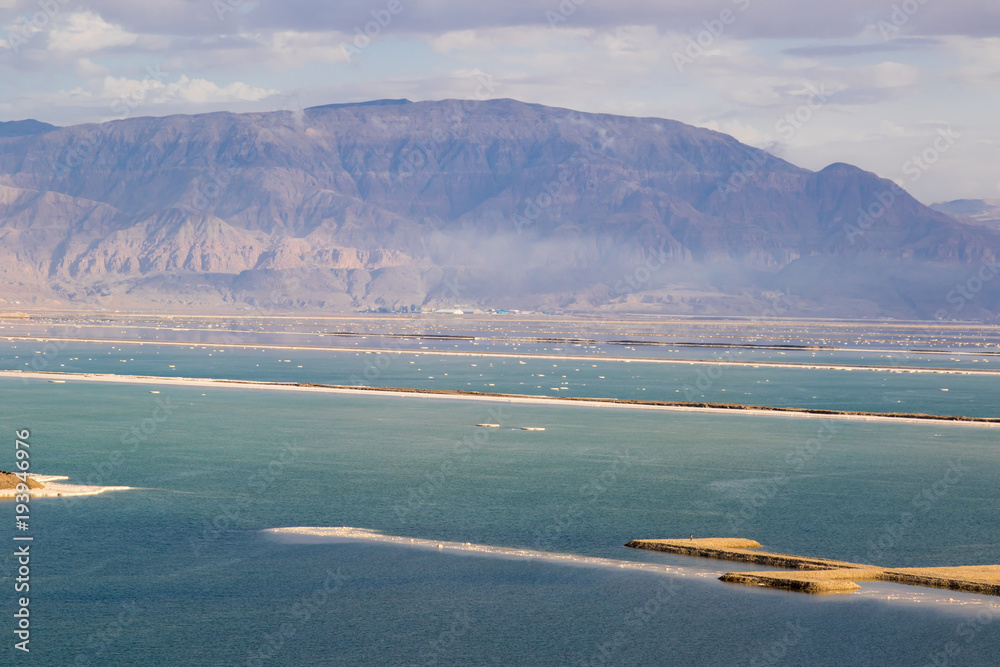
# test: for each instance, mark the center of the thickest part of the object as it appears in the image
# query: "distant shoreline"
(568, 357)
(676, 406)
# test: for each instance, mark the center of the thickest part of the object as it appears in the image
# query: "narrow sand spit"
(677, 406)
(821, 575)
(41, 486)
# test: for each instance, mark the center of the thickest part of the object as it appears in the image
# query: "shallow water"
(888, 390)
(177, 572)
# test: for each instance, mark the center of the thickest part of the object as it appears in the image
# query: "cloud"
(612, 57)
(980, 60)
(120, 97)
(200, 91)
(846, 50)
(290, 49)
(745, 133)
(86, 32)
(87, 69)
(767, 19)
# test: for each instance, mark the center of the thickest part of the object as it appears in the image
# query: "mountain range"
(496, 204)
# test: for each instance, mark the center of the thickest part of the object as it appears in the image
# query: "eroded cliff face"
(494, 203)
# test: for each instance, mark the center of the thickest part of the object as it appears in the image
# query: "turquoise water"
(175, 572)
(861, 390)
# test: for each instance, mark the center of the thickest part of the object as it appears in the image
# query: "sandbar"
(822, 575)
(452, 394)
(42, 486)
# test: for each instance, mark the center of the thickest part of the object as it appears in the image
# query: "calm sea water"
(176, 572)
(892, 390)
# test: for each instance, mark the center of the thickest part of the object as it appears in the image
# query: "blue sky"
(908, 89)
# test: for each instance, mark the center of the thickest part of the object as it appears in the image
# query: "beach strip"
(449, 394)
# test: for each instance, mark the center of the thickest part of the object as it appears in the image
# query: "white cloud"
(200, 91)
(290, 49)
(87, 69)
(980, 59)
(892, 75)
(889, 129)
(86, 32)
(506, 39)
(745, 133)
(120, 97)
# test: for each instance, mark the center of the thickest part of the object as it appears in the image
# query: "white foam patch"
(920, 596)
(53, 489)
(318, 535)
(886, 592)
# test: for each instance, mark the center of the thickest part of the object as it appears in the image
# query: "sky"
(908, 89)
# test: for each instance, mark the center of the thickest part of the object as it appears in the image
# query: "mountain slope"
(984, 212)
(21, 128)
(494, 203)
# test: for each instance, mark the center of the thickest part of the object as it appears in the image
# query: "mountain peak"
(842, 167)
(24, 128)
(370, 103)
(501, 203)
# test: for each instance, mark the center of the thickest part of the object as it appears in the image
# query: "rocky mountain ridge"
(497, 203)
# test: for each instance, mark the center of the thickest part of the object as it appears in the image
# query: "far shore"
(563, 357)
(450, 394)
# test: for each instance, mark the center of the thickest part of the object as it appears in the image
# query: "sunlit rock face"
(494, 203)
